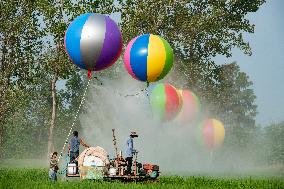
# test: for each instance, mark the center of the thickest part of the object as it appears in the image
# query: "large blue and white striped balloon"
(93, 41)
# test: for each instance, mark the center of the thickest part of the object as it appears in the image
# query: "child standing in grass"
(53, 165)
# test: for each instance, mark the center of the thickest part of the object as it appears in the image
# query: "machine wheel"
(154, 174)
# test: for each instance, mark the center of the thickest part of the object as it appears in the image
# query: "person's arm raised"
(84, 144)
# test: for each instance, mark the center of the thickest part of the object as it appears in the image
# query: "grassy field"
(37, 178)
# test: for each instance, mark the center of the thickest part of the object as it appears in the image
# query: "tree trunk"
(39, 140)
(53, 91)
(1, 140)
(4, 84)
(53, 116)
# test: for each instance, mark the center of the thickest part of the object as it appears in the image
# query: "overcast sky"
(266, 65)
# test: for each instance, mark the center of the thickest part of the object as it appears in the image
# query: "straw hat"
(133, 134)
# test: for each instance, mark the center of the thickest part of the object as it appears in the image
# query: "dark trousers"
(73, 156)
(129, 165)
(52, 175)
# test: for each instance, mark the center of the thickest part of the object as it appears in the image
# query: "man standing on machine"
(130, 151)
(73, 147)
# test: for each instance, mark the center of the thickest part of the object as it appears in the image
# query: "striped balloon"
(165, 102)
(93, 41)
(148, 58)
(211, 133)
(190, 107)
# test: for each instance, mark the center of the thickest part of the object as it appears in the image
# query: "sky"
(266, 65)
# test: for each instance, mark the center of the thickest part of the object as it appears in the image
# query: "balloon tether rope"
(127, 95)
(75, 118)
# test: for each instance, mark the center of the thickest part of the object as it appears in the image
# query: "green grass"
(38, 178)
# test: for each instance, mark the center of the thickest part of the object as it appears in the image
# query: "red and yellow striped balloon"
(148, 58)
(211, 133)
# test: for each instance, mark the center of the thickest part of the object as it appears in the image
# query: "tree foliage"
(19, 47)
(196, 29)
(273, 143)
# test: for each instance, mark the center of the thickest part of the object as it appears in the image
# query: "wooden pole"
(114, 143)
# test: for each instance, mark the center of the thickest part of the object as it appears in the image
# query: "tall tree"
(225, 91)
(56, 15)
(235, 99)
(20, 45)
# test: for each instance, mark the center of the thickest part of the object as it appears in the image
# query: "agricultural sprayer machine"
(94, 163)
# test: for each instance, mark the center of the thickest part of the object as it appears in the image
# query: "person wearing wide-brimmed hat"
(130, 151)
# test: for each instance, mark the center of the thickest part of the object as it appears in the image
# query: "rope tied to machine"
(75, 118)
